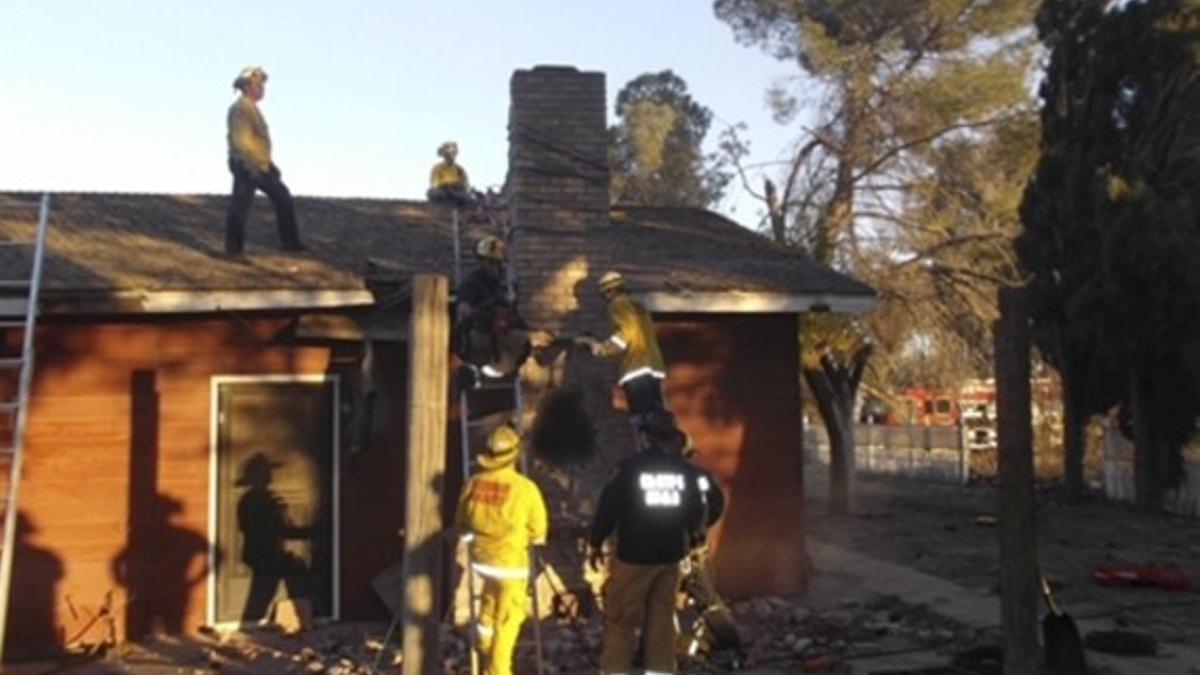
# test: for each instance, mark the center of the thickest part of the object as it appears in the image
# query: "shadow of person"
(160, 581)
(263, 521)
(36, 573)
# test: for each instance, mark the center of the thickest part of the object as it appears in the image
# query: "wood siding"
(114, 500)
(115, 509)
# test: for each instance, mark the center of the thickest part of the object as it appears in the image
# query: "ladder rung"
(12, 324)
(494, 386)
(11, 307)
(10, 242)
(11, 362)
(14, 283)
(9, 406)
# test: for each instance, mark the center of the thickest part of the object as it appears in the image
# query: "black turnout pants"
(244, 185)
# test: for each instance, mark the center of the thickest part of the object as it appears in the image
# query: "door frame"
(215, 383)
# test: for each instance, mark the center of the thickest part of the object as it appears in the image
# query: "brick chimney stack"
(558, 190)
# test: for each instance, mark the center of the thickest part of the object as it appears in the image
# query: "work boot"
(466, 377)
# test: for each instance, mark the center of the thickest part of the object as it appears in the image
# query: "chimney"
(558, 192)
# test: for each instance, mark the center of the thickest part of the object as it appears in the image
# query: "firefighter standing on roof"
(504, 513)
(633, 339)
(252, 168)
(654, 505)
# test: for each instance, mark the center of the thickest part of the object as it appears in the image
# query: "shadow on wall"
(32, 628)
(733, 383)
(263, 521)
(159, 581)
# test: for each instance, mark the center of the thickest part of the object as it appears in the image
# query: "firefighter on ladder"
(633, 339)
(654, 504)
(489, 336)
(504, 514)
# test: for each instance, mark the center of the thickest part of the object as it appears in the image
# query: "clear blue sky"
(131, 95)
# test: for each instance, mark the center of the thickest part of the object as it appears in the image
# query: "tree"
(1060, 242)
(907, 94)
(1113, 221)
(656, 149)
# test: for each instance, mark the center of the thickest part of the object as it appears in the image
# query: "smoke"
(563, 433)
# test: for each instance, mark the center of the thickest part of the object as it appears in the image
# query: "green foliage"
(656, 149)
(909, 169)
(1112, 217)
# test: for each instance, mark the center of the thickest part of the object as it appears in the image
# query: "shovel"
(1060, 638)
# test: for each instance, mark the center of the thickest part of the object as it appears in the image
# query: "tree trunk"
(1147, 476)
(835, 427)
(1075, 421)
(1018, 541)
(834, 387)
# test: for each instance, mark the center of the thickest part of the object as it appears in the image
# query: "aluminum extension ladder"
(18, 311)
(466, 425)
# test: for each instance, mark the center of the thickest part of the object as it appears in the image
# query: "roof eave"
(743, 302)
(200, 302)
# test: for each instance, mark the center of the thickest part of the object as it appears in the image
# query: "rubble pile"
(790, 633)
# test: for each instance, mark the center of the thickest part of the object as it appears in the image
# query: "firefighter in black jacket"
(655, 506)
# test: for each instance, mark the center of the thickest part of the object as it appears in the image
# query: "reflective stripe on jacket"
(506, 513)
(633, 338)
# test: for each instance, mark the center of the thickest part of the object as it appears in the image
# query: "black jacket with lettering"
(655, 507)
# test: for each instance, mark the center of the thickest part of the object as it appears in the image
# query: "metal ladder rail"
(20, 408)
(517, 419)
(507, 232)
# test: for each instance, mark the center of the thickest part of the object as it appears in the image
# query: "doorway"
(274, 496)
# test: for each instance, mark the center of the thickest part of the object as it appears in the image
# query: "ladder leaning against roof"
(505, 231)
(18, 311)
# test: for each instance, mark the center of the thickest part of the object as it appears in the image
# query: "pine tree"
(656, 149)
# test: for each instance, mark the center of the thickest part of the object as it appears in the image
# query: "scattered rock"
(315, 667)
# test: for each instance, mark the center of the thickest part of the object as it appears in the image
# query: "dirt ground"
(932, 528)
(927, 527)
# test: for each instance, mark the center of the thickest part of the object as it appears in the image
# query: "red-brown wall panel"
(118, 442)
(733, 381)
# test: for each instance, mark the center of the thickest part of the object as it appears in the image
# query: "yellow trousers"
(639, 598)
(501, 613)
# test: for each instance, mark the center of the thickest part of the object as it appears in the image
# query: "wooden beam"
(426, 463)
(1019, 573)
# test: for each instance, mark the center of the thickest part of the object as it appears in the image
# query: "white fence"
(928, 453)
(1119, 482)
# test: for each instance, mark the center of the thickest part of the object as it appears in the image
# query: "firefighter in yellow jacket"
(448, 180)
(633, 339)
(252, 168)
(504, 513)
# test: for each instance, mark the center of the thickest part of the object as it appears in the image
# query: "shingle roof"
(102, 242)
(686, 249)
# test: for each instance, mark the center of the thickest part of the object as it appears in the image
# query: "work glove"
(596, 558)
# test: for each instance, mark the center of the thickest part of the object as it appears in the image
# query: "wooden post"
(428, 347)
(1019, 573)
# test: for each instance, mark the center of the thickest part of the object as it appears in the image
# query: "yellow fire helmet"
(611, 281)
(503, 445)
(490, 248)
(249, 73)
